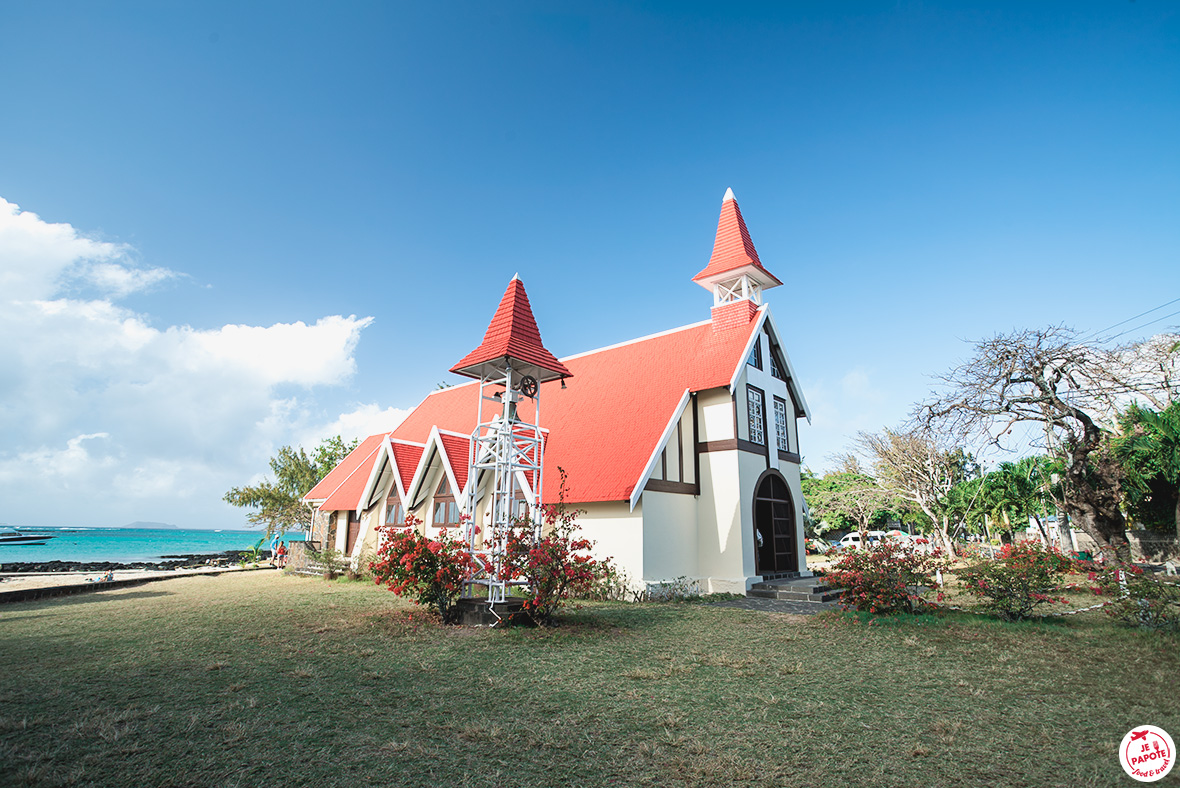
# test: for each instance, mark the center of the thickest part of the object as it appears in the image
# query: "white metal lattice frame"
(511, 449)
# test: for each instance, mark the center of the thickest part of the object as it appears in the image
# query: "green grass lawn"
(261, 679)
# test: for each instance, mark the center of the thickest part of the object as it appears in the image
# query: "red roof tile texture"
(458, 453)
(513, 332)
(732, 248)
(604, 427)
(407, 458)
(359, 464)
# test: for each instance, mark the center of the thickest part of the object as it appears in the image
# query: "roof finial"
(728, 196)
(515, 277)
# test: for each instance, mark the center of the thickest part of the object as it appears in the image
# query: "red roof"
(348, 477)
(457, 449)
(605, 425)
(406, 455)
(512, 333)
(732, 249)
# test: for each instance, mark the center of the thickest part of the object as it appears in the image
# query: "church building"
(681, 447)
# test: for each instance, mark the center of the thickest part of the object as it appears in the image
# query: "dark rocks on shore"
(227, 558)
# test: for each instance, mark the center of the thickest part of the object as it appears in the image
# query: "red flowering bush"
(429, 571)
(555, 567)
(885, 579)
(1022, 576)
(1141, 599)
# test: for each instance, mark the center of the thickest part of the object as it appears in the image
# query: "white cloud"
(38, 259)
(360, 423)
(100, 410)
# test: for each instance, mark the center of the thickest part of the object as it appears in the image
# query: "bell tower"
(510, 364)
(734, 273)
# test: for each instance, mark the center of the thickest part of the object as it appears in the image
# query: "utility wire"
(1145, 325)
(1095, 334)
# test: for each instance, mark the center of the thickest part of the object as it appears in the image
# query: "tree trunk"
(1177, 516)
(944, 532)
(1041, 530)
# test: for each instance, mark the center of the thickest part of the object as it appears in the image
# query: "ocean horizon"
(128, 545)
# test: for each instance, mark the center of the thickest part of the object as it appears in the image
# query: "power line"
(1145, 325)
(1099, 333)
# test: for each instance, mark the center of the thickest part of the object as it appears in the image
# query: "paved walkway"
(778, 606)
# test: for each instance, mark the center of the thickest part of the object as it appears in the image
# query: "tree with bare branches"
(916, 466)
(1073, 390)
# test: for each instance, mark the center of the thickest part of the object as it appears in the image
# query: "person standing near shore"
(281, 555)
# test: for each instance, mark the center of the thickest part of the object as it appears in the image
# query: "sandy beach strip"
(19, 581)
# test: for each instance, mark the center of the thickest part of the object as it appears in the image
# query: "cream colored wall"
(716, 409)
(617, 534)
(669, 536)
(719, 524)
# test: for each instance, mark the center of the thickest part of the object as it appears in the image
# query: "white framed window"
(780, 425)
(755, 359)
(754, 411)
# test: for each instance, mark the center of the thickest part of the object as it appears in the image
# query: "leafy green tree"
(278, 505)
(1149, 450)
(847, 498)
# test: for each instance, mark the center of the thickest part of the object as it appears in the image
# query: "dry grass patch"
(210, 680)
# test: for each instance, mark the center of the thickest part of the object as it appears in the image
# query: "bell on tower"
(734, 273)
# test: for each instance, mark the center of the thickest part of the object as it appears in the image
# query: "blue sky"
(241, 225)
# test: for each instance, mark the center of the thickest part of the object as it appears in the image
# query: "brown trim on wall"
(680, 448)
(696, 445)
(790, 456)
(739, 444)
(750, 446)
(656, 485)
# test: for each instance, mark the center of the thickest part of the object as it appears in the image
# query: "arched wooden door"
(774, 526)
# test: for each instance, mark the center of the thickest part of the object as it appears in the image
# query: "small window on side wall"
(780, 425)
(755, 412)
(755, 359)
(446, 510)
(394, 513)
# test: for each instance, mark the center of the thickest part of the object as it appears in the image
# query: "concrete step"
(825, 594)
(802, 589)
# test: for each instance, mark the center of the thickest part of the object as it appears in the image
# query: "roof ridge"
(656, 335)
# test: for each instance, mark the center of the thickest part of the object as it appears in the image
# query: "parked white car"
(852, 540)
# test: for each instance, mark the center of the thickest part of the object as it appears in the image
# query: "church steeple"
(734, 272)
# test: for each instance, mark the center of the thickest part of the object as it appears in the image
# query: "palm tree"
(1149, 450)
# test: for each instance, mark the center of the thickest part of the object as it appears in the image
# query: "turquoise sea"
(126, 545)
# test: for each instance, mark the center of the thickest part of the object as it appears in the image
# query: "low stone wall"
(300, 555)
(1153, 547)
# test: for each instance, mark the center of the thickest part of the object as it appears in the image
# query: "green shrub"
(1022, 577)
(1142, 599)
(886, 579)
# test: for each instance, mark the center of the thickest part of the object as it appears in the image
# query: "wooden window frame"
(761, 414)
(783, 440)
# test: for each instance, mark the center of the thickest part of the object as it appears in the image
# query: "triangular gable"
(763, 318)
(648, 469)
(395, 454)
(446, 443)
(345, 470)
(347, 496)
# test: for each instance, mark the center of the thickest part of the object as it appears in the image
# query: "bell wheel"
(529, 386)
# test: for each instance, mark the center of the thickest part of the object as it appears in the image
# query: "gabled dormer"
(734, 273)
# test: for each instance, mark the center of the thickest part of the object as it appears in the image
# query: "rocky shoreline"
(167, 562)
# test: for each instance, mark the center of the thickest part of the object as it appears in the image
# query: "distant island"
(143, 524)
